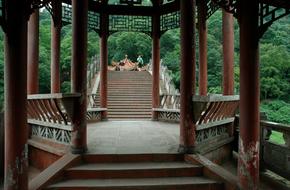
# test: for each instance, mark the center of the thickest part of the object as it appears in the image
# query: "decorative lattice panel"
(169, 21)
(66, 14)
(268, 14)
(211, 8)
(52, 134)
(131, 2)
(48, 7)
(210, 133)
(93, 18)
(1, 8)
(119, 23)
(167, 1)
(94, 21)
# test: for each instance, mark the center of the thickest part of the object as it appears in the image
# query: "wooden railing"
(165, 76)
(213, 116)
(274, 156)
(170, 101)
(92, 69)
(50, 116)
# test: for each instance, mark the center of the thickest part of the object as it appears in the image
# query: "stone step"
(132, 158)
(119, 113)
(133, 170)
(167, 183)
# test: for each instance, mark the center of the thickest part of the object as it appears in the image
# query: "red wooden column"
(55, 47)
(79, 74)
(248, 164)
(155, 62)
(33, 53)
(202, 31)
(187, 130)
(104, 63)
(228, 53)
(15, 78)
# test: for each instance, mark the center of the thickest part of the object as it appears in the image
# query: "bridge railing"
(274, 151)
(92, 69)
(275, 156)
(165, 76)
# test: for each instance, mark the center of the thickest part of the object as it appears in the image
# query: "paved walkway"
(129, 137)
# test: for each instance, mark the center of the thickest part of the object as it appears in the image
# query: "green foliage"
(131, 44)
(277, 111)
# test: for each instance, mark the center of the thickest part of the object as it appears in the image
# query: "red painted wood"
(187, 129)
(202, 33)
(248, 164)
(79, 74)
(228, 53)
(33, 53)
(104, 64)
(15, 77)
(155, 63)
(55, 47)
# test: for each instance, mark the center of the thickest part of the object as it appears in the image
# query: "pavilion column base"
(74, 150)
(154, 116)
(183, 149)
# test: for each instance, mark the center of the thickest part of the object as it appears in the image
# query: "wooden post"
(33, 53)
(248, 164)
(104, 63)
(228, 53)
(55, 47)
(187, 129)
(155, 63)
(79, 74)
(202, 31)
(15, 95)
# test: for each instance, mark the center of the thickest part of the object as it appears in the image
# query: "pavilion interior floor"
(143, 136)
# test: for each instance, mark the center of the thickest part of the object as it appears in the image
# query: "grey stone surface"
(130, 137)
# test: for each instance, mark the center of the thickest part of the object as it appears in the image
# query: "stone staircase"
(129, 95)
(139, 171)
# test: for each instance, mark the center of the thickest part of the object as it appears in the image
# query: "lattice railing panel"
(119, 23)
(51, 133)
(210, 133)
(169, 21)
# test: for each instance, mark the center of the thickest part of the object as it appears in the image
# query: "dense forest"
(274, 59)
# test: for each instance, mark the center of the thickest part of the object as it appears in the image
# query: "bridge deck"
(126, 137)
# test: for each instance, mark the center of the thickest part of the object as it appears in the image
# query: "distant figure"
(140, 61)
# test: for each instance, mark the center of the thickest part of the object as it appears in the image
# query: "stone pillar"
(202, 31)
(55, 47)
(33, 53)
(104, 63)
(248, 164)
(79, 74)
(15, 96)
(187, 129)
(228, 53)
(155, 63)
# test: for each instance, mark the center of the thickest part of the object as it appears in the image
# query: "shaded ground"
(125, 137)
